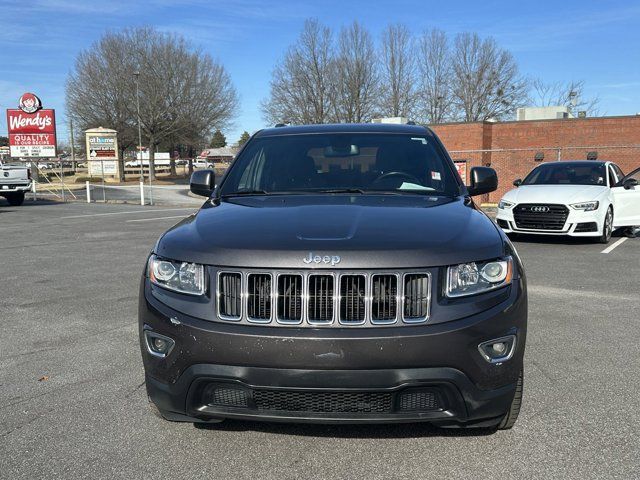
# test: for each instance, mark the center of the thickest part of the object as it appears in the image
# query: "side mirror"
(517, 183)
(483, 180)
(202, 182)
(630, 183)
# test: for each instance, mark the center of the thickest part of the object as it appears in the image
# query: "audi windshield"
(342, 163)
(567, 173)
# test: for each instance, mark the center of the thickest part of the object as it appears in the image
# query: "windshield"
(357, 163)
(567, 174)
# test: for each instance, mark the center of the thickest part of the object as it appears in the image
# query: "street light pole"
(136, 75)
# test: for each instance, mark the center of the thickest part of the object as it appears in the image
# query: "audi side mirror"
(517, 182)
(202, 182)
(483, 180)
(630, 183)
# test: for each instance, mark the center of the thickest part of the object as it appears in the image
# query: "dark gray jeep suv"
(337, 273)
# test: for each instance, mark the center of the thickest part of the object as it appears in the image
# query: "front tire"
(16, 199)
(514, 410)
(607, 227)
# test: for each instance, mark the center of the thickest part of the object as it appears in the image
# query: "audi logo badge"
(540, 209)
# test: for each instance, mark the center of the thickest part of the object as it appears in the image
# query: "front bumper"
(441, 360)
(577, 224)
(14, 187)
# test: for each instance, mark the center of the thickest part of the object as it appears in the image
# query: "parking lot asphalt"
(73, 402)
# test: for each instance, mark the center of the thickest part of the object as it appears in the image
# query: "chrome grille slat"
(229, 295)
(289, 297)
(384, 302)
(259, 297)
(352, 299)
(320, 298)
(417, 296)
(323, 298)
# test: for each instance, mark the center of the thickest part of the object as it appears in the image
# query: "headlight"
(586, 206)
(478, 277)
(180, 277)
(504, 205)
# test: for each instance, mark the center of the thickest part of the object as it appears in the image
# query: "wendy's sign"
(32, 129)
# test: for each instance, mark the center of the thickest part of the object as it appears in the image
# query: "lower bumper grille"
(586, 227)
(529, 216)
(223, 395)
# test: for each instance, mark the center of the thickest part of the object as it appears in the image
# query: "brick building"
(515, 148)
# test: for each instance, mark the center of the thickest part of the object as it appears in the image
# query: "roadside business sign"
(32, 129)
(102, 151)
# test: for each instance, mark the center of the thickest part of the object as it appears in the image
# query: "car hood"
(366, 231)
(564, 194)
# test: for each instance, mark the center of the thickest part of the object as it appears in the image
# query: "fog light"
(158, 345)
(498, 350)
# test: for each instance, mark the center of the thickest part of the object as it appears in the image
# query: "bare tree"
(356, 79)
(184, 93)
(301, 84)
(568, 94)
(397, 93)
(434, 87)
(486, 81)
(98, 91)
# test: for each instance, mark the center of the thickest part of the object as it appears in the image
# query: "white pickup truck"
(15, 181)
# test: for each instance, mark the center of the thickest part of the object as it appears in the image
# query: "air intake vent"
(290, 298)
(321, 298)
(229, 295)
(352, 298)
(259, 297)
(416, 297)
(384, 306)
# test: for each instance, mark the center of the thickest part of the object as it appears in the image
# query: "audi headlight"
(478, 277)
(504, 205)
(180, 277)
(586, 206)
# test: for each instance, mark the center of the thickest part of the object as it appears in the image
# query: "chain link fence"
(511, 164)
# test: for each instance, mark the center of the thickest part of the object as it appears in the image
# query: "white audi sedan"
(577, 198)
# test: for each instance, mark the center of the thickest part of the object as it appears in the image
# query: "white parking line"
(611, 247)
(155, 218)
(129, 212)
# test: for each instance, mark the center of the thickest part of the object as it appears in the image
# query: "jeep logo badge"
(318, 259)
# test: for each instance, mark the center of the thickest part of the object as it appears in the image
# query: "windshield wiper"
(338, 190)
(244, 193)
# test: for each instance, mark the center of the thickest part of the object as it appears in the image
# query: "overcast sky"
(595, 41)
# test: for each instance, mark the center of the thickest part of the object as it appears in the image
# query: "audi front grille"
(535, 216)
(323, 298)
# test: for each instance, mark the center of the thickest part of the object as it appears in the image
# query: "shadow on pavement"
(562, 239)
(402, 430)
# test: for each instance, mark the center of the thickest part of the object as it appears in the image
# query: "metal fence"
(511, 164)
(97, 181)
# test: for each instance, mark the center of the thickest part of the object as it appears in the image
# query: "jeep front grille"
(324, 298)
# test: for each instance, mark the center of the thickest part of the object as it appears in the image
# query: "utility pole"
(136, 75)
(73, 145)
